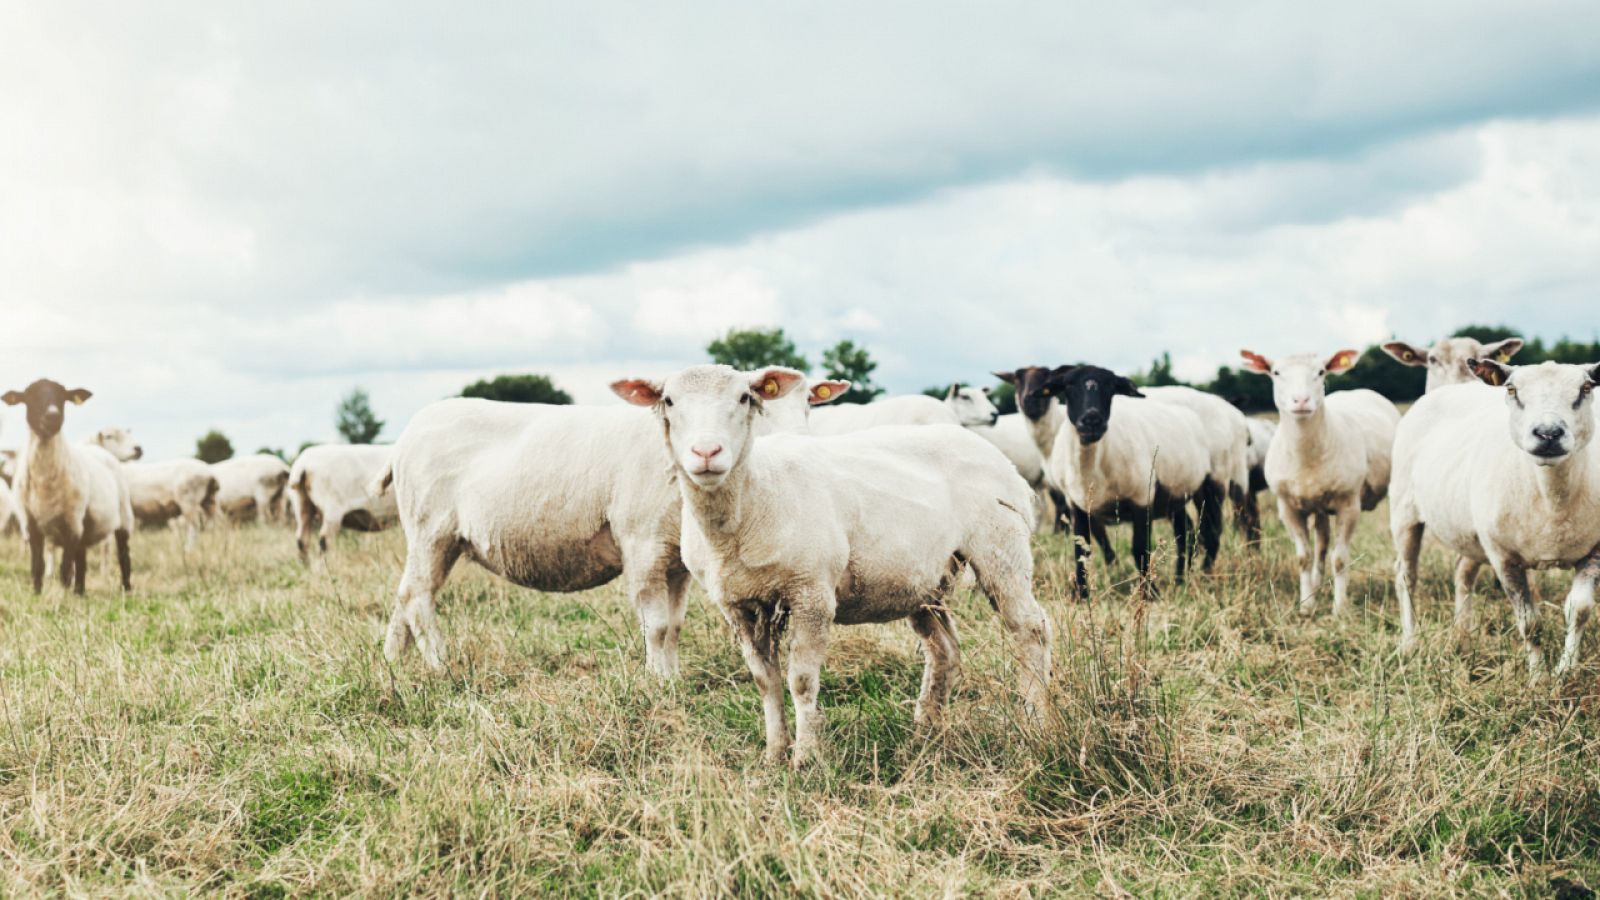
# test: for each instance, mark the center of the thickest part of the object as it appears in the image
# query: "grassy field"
(231, 726)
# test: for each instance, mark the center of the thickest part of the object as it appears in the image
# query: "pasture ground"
(231, 726)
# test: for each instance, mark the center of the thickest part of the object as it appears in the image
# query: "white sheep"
(72, 495)
(251, 487)
(810, 532)
(555, 498)
(10, 512)
(1505, 472)
(1328, 461)
(1133, 460)
(910, 409)
(1227, 444)
(978, 414)
(1446, 361)
(334, 482)
(971, 406)
(178, 493)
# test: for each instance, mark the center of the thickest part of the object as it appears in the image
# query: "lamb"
(1328, 462)
(1149, 463)
(1528, 499)
(251, 487)
(72, 495)
(810, 532)
(334, 482)
(1447, 361)
(554, 498)
(1248, 511)
(912, 409)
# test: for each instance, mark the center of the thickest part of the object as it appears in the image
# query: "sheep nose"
(1550, 433)
(706, 451)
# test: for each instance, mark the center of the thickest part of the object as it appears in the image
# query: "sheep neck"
(717, 511)
(1046, 427)
(47, 457)
(1570, 480)
(1308, 437)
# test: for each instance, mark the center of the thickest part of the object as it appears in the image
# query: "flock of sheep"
(795, 516)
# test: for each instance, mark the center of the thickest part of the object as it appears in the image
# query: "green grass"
(231, 726)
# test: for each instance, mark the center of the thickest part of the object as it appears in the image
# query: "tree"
(214, 447)
(355, 419)
(1004, 398)
(518, 389)
(274, 451)
(846, 361)
(1158, 375)
(756, 348)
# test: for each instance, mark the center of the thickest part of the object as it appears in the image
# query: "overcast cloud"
(226, 214)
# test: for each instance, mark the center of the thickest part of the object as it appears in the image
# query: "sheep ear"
(1008, 377)
(1255, 362)
(78, 396)
(12, 398)
(1489, 372)
(987, 391)
(1405, 353)
(774, 382)
(1343, 361)
(638, 391)
(827, 392)
(1127, 388)
(1502, 351)
(951, 391)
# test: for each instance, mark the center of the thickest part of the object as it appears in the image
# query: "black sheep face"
(1087, 392)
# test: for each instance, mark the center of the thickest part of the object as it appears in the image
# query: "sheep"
(178, 493)
(10, 512)
(555, 498)
(72, 495)
(1447, 359)
(1248, 511)
(1446, 362)
(911, 409)
(810, 532)
(8, 465)
(1504, 472)
(1328, 462)
(333, 482)
(971, 406)
(250, 487)
(1227, 443)
(1147, 462)
(1044, 417)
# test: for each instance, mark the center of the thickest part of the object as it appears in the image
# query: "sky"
(227, 214)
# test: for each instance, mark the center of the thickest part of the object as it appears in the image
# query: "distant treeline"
(1375, 370)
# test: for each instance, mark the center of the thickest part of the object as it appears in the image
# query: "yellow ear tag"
(1503, 356)
(770, 388)
(824, 392)
(1410, 356)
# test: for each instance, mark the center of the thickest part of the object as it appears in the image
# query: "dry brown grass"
(231, 726)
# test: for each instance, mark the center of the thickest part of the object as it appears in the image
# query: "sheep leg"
(1320, 523)
(124, 559)
(1103, 540)
(1345, 521)
(64, 571)
(1466, 572)
(1179, 515)
(1080, 551)
(1294, 522)
(660, 613)
(1408, 546)
(414, 619)
(1580, 606)
(332, 522)
(1247, 516)
(941, 660)
(808, 645)
(80, 563)
(756, 626)
(1210, 509)
(1060, 509)
(1141, 550)
(1514, 578)
(36, 552)
(305, 516)
(1005, 575)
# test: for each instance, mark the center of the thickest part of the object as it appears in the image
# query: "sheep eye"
(1321, 372)
(667, 401)
(744, 398)
(1510, 391)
